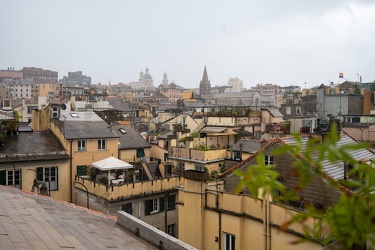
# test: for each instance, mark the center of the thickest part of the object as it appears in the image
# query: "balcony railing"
(200, 155)
(117, 192)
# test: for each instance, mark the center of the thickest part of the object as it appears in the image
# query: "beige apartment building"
(210, 218)
(84, 135)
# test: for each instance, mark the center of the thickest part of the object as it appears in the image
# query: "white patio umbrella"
(111, 163)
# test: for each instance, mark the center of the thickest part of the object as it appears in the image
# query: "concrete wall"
(157, 152)
(150, 234)
(130, 155)
(362, 134)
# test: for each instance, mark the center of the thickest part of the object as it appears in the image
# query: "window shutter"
(20, 181)
(161, 207)
(39, 174)
(57, 178)
(140, 153)
(171, 202)
(3, 177)
(148, 207)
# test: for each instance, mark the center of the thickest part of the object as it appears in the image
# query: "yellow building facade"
(210, 218)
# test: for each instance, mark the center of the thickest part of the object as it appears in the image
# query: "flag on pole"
(341, 75)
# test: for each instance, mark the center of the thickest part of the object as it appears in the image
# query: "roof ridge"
(247, 160)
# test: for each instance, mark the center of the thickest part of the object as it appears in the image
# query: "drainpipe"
(266, 222)
(71, 171)
(166, 212)
(217, 207)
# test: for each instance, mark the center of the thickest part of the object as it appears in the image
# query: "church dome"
(147, 75)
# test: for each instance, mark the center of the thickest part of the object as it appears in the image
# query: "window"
(268, 159)
(10, 178)
(81, 145)
(82, 170)
(49, 175)
(298, 111)
(171, 230)
(288, 110)
(101, 144)
(154, 206)
(229, 241)
(168, 169)
(171, 202)
(31, 108)
(128, 208)
(55, 112)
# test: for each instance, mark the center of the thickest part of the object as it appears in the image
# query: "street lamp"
(49, 181)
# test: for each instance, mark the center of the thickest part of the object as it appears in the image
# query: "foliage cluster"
(195, 134)
(183, 139)
(233, 112)
(201, 147)
(352, 219)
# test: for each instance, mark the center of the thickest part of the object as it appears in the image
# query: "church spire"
(205, 76)
(205, 85)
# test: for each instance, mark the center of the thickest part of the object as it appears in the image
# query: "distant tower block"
(236, 84)
(205, 85)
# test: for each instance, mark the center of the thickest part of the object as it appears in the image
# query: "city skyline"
(286, 43)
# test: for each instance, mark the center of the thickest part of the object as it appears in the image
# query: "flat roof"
(30, 221)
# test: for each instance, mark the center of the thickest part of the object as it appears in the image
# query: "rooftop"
(30, 221)
(83, 125)
(129, 138)
(32, 146)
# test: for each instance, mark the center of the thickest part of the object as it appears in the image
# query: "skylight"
(123, 131)
(74, 115)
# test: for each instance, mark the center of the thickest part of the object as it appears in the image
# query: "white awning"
(111, 163)
(213, 129)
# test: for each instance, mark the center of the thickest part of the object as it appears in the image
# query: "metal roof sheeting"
(336, 169)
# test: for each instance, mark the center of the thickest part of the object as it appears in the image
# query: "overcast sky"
(287, 42)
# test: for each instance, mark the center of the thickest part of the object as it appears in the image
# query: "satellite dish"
(341, 119)
(63, 106)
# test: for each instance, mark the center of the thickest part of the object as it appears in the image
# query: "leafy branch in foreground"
(351, 220)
